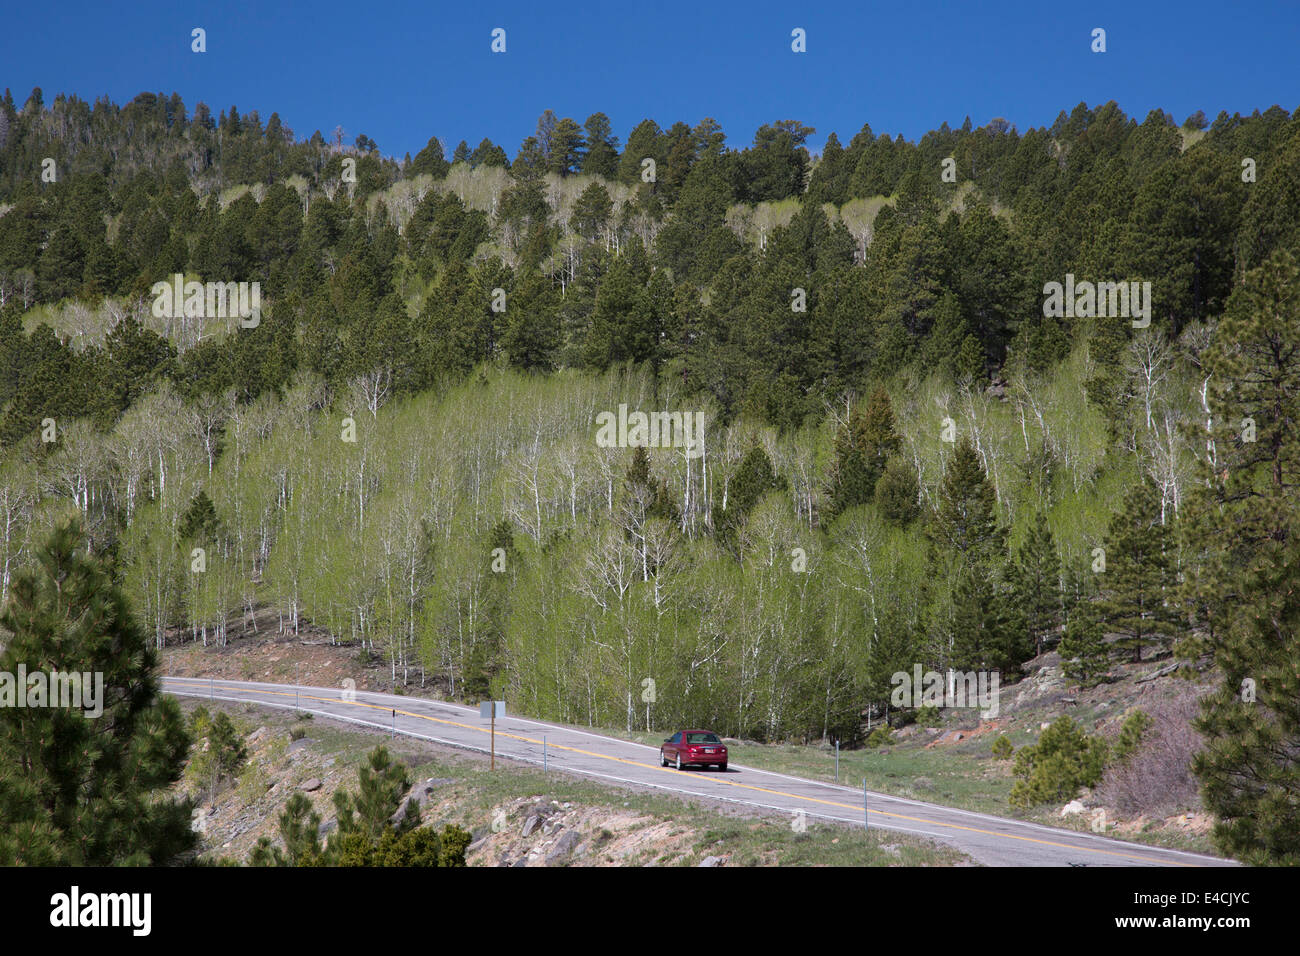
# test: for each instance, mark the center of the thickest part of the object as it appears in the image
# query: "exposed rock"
(1167, 669)
(422, 791)
(1071, 808)
(530, 825)
(711, 861)
(563, 847)
(309, 786)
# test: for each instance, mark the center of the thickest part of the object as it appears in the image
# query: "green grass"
(760, 840)
(961, 775)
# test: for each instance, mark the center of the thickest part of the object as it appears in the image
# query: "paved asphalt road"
(993, 841)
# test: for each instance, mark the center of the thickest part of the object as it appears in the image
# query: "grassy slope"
(618, 826)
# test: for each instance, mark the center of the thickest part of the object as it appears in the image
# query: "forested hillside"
(904, 461)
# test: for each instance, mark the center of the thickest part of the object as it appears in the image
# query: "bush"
(218, 753)
(1131, 733)
(1003, 748)
(1085, 656)
(366, 833)
(1054, 769)
(928, 716)
(297, 733)
(227, 745)
(880, 737)
(1157, 778)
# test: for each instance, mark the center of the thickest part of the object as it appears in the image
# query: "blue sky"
(401, 72)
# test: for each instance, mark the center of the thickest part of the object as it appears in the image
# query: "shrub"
(227, 745)
(1131, 733)
(1003, 748)
(1157, 778)
(880, 737)
(1054, 769)
(928, 716)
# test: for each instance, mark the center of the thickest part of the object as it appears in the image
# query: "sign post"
(492, 710)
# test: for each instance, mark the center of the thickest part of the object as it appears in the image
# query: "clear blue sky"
(401, 72)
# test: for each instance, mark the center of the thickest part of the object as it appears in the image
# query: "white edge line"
(389, 699)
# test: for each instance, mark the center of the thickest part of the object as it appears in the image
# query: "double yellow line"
(721, 780)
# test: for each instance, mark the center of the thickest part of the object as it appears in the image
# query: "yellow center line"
(721, 780)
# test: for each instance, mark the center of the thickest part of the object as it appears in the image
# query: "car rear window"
(702, 739)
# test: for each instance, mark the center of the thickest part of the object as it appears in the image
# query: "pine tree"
(1244, 581)
(227, 744)
(1083, 650)
(370, 810)
(1137, 585)
(200, 521)
(1249, 776)
(897, 492)
(863, 446)
(1037, 583)
(985, 625)
(965, 522)
(300, 832)
(77, 789)
(754, 478)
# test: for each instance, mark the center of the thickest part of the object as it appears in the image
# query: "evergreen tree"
(965, 523)
(1037, 583)
(601, 158)
(200, 521)
(897, 493)
(1083, 650)
(431, 160)
(1243, 580)
(862, 448)
(986, 631)
(1137, 586)
(370, 810)
(1251, 723)
(75, 789)
(754, 478)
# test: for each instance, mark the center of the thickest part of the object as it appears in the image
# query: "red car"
(699, 747)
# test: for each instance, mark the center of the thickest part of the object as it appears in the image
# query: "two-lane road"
(991, 840)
